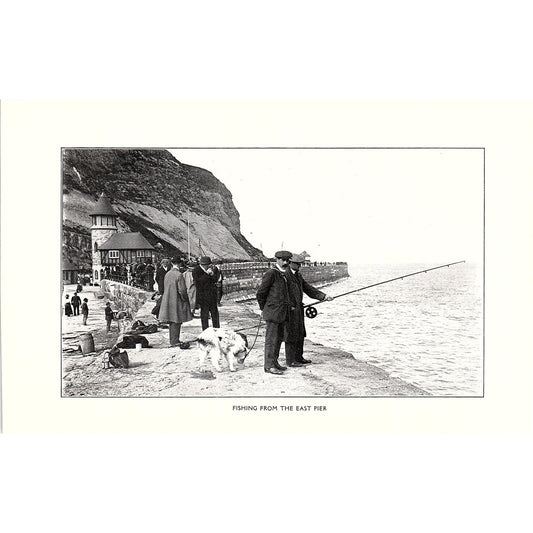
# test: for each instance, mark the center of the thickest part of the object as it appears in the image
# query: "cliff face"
(154, 193)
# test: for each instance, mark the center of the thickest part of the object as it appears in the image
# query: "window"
(141, 253)
(113, 254)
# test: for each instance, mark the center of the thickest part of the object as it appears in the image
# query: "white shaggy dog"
(217, 342)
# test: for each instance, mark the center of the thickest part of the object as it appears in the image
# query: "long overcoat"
(295, 328)
(175, 305)
(273, 296)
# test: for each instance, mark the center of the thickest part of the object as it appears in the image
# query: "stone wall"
(124, 297)
(241, 280)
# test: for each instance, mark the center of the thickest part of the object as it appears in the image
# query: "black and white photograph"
(266, 266)
(272, 271)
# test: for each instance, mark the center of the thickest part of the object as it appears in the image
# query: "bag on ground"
(129, 341)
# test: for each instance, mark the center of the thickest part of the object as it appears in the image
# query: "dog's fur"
(217, 342)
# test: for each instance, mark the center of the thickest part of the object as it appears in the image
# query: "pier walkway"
(160, 371)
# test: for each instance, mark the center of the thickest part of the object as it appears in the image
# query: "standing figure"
(109, 315)
(140, 274)
(220, 288)
(76, 302)
(122, 276)
(175, 308)
(68, 307)
(162, 270)
(206, 276)
(273, 298)
(191, 286)
(85, 311)
(295, 327)
(150, 276)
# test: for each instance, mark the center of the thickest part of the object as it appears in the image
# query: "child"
(68, 307)
(85, 311)
(108, 315)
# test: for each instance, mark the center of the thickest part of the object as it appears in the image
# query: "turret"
(104, 225)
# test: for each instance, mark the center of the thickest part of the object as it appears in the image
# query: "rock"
(152, 192)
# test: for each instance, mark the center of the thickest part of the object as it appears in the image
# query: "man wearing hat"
(295, 329)
(273, 298)
(175, 308)
(206, 276)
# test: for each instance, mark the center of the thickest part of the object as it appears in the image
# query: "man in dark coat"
(295, 327)
(109, 315)
(160, 274)
(273, 298)
(76, 302)
(150, 276)
(175, 308)
(206, 275)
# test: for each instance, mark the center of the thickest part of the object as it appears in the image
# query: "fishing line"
(311, 312)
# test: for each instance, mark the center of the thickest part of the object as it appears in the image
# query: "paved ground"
(160, 371)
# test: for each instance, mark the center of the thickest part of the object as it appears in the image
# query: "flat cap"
(283, 254)
(297, 258)
(206, 260)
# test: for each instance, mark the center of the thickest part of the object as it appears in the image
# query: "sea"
(426, 329)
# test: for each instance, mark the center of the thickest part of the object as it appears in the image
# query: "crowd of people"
(139, 274)
(185, 288)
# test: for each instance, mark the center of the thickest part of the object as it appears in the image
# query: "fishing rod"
(311, 312)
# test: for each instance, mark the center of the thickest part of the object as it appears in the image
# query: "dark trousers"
(76, 309)
(206, 309)
(273, 338)
(108, 322)
(294, 351)
(174, 329)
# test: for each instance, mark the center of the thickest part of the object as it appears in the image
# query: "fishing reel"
(311, 312)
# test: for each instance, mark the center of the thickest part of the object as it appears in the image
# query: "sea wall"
(241, 280)
(124, 297)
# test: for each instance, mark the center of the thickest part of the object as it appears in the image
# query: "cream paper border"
(33, 133)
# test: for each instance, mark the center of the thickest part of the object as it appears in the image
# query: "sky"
(363, 206)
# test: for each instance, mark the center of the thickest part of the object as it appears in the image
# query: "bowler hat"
(283, 254)
(297, 258)
(206, 260)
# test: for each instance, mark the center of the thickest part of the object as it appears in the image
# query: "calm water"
(426, 329)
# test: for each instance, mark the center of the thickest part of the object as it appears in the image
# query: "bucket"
(86, 343)
(138, 347)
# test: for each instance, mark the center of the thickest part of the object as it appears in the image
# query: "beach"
(161, 371)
